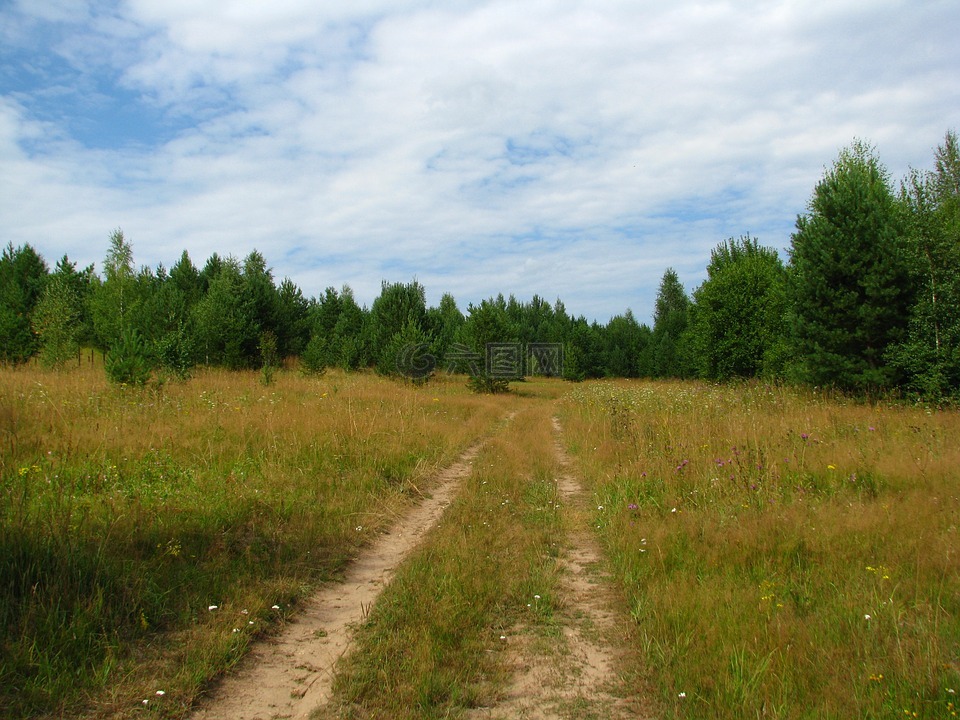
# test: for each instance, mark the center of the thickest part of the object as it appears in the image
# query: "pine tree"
(23, 275)
(849, 289)
(670, 354)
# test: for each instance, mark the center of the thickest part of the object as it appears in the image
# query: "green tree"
(81, 283)
(738, 321)
(929, 357)
(320, 351)
(211, 269)
(487, 324)
(259, 307)
(226, 329)
(57, 320)
(186, 279)
(115, 300)
(292, 318)
(848, 289)
(583, 351)
(23, 275)
(443, 325)
(670, 354)
(128, 361)
(400, 310)
(348, 346)
(624, 341)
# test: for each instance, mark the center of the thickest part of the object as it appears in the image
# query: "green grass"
(782, 554)
(126, 515)
(785, 555)
(432, 644)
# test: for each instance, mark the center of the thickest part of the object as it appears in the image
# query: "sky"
(572, 149)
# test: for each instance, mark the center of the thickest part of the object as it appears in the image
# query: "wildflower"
(673, 510)
(866, 617)
(536, 597)
(831, 467)
(275, 607)
(632, 506)
(682, 695)
(211, 608)
(161, 693)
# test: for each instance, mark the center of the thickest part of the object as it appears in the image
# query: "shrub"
(128, 362)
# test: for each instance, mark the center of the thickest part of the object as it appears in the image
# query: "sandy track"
(573, 675)
(289, 675)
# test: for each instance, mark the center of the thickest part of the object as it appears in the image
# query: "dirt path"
(570, 674)
(289, 675)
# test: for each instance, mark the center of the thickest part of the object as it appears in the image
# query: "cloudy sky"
(570, 148)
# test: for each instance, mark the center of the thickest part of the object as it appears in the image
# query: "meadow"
(783, 553)
(146, 536)
(778, 552)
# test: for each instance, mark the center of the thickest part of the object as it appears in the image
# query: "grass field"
(146, 536)
(781, 553)
(784, 554)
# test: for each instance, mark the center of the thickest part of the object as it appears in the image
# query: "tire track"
(289, 675)
(575, 674)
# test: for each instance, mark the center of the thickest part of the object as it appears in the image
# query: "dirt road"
(572, 673)
(289, 675)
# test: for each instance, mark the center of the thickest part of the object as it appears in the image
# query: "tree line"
(867, 301)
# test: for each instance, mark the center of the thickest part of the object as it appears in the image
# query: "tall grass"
(147, 535)
(785, 554)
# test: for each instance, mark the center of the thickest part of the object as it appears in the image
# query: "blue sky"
(571, 148)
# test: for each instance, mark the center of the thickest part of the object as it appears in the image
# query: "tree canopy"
(866, 301)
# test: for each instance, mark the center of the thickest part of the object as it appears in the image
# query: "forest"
(866, 302)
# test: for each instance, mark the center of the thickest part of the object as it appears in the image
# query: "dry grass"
(432, 644)
(786, 555)
(125, 515)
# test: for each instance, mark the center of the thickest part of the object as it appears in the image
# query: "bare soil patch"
(289, 675)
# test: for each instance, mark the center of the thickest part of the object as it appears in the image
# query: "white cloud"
(572, 149)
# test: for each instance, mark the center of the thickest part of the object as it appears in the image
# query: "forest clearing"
(606, 549)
